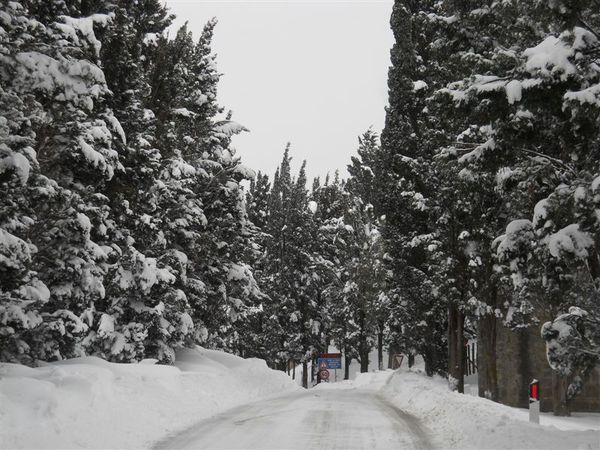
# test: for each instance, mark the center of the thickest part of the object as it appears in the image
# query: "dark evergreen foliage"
(124, 231)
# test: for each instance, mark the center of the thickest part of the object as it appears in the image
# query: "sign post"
(534, 401)
(329, 361)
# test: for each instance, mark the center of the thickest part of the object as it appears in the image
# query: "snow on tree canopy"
(246, 172)
(184, 112)
(106, 325)
(519, 233)
(550, 57)
(540, 212)
(572, 345)
(478, 152)
(13, 251)
(590, 95)
(84, 26)
(150, 39)
(77, 81)
(17, 162)
(596, 184)
(35, 291)
(238, 272)
(570, 240)
(514, 90)
(200, 98)
(147, 274)
(503, 175)
(84, 223)
(229, 128)
(418, 85)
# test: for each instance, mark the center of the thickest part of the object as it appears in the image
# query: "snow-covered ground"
(349, 415)
(213, 399)
(577, 420)
(457, 421)
(90, 403)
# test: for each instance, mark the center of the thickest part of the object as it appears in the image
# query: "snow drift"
(458, 421)
(91, 403)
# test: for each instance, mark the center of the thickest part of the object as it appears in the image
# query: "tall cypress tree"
(529, 137)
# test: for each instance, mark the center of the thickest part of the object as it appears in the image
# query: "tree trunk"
(594, 262)
(294, 371)
(391, 352)
(460, 351)
(380, 348)
(452, 345)
(364, 363)
(430, 362)
(560, 404)
(347, 362)
(456, 348)
(486, 358)
(305, 374)
(363, 348)
(411, 360)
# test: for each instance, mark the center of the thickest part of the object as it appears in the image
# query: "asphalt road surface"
(311, 419)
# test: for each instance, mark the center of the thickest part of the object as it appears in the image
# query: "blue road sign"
(331, 363)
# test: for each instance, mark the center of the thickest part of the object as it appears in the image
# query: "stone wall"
(521, 357)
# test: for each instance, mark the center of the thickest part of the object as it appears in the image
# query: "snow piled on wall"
(458, 421)
(91, 403)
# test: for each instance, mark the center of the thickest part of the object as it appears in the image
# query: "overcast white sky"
(310, 72)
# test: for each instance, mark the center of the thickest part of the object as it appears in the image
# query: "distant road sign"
(324, 375)
(397, 361)
(330, 355)
(330, 360)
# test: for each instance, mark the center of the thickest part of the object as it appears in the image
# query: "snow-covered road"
(312, 419)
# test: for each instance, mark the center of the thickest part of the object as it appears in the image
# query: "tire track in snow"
(313, 419)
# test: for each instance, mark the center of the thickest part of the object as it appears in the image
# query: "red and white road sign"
(324, 374)
(397, 361)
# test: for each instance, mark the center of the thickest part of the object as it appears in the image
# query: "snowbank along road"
(328, 417)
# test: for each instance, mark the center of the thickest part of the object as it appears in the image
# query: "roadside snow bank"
(368, 381)
(90, 403)
(462, 421)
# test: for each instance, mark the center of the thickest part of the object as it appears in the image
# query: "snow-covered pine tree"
(207, 210)
(52, 57)
(291, 273)
(362, 177)
(364, 278)
(572, 346)
(22, 293)
(107, 176)
(145, 313)
(255, 327)
(273, 264)
(257, 200)
(534, 128)
(329, 203)
(405, 183)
